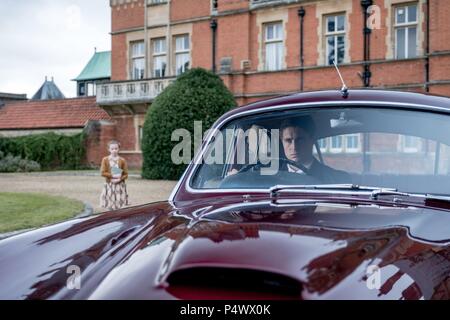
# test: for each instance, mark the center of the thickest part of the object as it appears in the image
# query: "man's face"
(297, 144)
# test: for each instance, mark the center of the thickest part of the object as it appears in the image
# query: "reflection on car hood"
(327, 249)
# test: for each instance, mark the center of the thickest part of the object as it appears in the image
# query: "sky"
(54, 38)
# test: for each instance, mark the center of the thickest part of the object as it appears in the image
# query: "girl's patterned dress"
(114, 196)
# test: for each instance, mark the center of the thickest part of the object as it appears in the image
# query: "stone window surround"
(160, 32)
(132, 58)
(324, 9)
(276, 40)
(390, 6)
(153, 55)
(174, 50)
(334, 34)
(264, 17)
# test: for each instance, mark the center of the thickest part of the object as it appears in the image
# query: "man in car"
(297, 138)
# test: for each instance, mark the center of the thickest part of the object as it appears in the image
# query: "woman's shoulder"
(105, 159)
(121, 159)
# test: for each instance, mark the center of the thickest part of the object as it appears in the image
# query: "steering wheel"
(259, 165)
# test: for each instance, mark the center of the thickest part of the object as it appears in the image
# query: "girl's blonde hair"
(113, 142)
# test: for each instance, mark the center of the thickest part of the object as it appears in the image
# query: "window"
(91, 89)
(182, 57)
(273, 42)
(159, 58)
(323, 143)
(137, 60)
(336, 144)
(214, 6)
(105, 91)
(81, 89)
(410, 144)
(335, 38)
(406, 31)
(157, 1)
(380, 163)
(352, 143)
(140, 134)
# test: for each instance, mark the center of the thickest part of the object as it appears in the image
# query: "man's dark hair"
(304, 122)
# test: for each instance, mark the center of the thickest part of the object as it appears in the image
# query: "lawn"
(29, 210)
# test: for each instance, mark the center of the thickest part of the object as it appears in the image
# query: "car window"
(384, 153)
(402, 149)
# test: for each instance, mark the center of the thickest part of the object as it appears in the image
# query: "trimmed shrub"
(50, 150)
(17, 164)
(197, 95)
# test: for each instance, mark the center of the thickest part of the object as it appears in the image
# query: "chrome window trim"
(218, 126)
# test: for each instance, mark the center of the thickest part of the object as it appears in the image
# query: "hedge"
(50, 150)
(197, 95)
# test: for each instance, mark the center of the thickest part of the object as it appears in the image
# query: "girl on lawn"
(115, 170)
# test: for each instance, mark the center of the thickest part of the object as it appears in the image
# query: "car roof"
(355, 95)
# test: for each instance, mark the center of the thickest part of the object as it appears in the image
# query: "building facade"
(97, 70)
(265, 48)
(9, 97)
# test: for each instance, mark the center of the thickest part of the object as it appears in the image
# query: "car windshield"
(378, 147)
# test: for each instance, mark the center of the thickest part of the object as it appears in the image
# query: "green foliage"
(50, 150)
(20, 211)
(197, 95)
(17, 164)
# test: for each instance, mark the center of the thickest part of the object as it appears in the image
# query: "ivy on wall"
(52, 151)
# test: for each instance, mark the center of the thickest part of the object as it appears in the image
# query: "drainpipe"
(301, 13)
(146, 39)
(427, 50)
(170, 71)
(366, 33)
(213, 26)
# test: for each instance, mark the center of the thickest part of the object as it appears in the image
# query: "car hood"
(234, 249)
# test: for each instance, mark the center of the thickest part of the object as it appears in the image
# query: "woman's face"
(114, 149)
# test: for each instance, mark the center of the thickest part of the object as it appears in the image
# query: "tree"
(197, 95)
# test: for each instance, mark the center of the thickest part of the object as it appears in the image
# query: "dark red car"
(321, 195)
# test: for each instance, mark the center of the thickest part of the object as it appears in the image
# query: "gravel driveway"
(85, 186)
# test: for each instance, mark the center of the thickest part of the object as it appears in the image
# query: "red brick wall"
(440, 67)
(311, 38)
(398, 72)
(119, 56)
(128, 15)
(125, 132)
(440, 25)
(443, 90)
(99, 133)
(377, 38)
(253, 43)
(201, 45)
(233, 39)
(227, 5)
(327, 78)
(293, 39)
(134, 160)
(186, 9)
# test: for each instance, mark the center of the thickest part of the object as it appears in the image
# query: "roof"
(48, 91)
(99, 67)
(67, 113)
(12, 96)
(354, 95)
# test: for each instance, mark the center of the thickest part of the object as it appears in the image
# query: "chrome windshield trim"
(344, 103)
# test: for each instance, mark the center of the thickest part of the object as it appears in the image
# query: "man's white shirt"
(300, 171)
